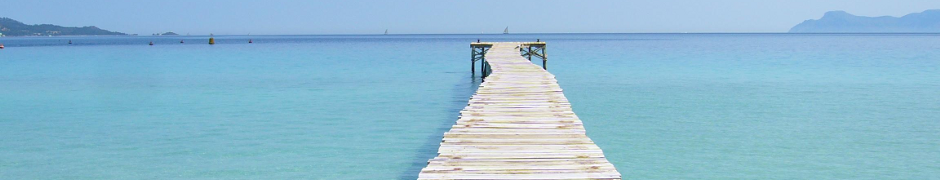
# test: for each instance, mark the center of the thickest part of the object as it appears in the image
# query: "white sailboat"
(506, 31)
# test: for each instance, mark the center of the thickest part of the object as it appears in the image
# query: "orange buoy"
(211, 41)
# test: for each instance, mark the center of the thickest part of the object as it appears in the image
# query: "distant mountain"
(171, 33)
(843, 22)
(10, 27)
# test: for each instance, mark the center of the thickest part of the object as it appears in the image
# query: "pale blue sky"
(443, 16)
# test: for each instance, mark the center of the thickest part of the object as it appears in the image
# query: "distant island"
(843, 22)
(171, 33)
(10, 27)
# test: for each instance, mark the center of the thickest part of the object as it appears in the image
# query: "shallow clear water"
(662, 106)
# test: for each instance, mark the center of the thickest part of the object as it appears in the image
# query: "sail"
(506, 31)
(386, 31)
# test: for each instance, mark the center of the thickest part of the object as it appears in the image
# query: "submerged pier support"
(478, 53)
(537, 49)
(518, 125)
(526, 49)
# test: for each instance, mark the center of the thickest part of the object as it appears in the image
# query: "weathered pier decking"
(518, 125)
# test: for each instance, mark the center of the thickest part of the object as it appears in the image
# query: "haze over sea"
(662, 106)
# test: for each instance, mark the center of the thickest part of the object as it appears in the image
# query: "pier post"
(485, 69)
(473, 62)
(530, 55)
(544, 59)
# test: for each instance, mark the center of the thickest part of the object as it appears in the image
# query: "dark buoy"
(70, 41)
(249, 41)
(151, 43)
(211, 41)
(181, 41)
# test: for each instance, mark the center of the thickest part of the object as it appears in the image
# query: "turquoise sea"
(662, 106)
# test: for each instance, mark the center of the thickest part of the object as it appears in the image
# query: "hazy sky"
(443, 16)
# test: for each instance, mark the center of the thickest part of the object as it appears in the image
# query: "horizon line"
(822, 33)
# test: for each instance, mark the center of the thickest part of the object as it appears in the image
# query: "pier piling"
(478, 53)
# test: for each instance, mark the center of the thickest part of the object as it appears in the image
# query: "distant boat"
(249, 41)
(70, 41)
(151, 43)
(506, 31)
(1, 46)
(386, 31)
(181, 41)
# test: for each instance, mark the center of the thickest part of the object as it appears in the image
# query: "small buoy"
(151, 43)
(249, 41)
(211, 40)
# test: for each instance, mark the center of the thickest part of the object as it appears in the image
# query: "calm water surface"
(662, 106)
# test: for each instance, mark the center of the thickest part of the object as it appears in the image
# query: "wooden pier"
(518, 125)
